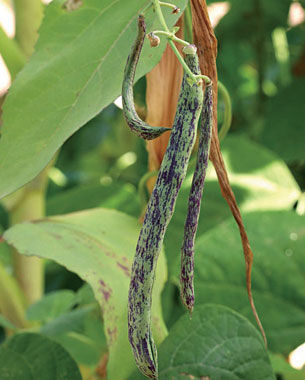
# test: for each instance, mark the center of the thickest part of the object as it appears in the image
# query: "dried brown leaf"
(205, 40)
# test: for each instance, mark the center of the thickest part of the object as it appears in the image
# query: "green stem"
(171, 36)
(11, 53)
(169, 5)
(28, 16)
(29, 271)
(193, 77)
(12, 302)
(31, 204)
(160, 15)
(227, 113)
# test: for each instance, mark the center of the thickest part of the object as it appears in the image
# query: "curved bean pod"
(138, 126)
(191, 223)
(158, 214)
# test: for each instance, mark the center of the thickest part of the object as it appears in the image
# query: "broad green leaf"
(32, 356)
(216, 344)
(76, 71)
(277, 240)
(51, 305)
(260, 181)
(99, 246)
(83, 350)
(70, 321)
(80, 332)
(284, 130)
(85, 295)
(121, 196)
(263, 178)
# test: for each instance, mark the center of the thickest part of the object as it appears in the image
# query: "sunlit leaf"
(99, 246)
(76, 71)
(277, 240)
(260, 181)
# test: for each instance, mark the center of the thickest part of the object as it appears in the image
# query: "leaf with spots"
(99, 246)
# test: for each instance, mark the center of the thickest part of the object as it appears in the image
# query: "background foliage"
(96, 175)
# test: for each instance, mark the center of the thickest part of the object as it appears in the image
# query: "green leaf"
(69, 321)
(81, 333)
(83, 349)
(85, 295)
(99, 246)
(75, 72)
(260, 181)
(277, 240)
(32, 356)
(285, 122)
(51, 305)
(121, 196)
(216, 344)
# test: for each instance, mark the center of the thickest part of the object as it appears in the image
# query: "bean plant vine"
(172, 172)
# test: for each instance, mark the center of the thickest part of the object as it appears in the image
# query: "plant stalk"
(28, 271)
(12, 302)
(31, 204)
(11, 53)
(195, 78)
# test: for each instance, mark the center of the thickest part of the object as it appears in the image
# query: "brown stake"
(205, 40)
(162, 92)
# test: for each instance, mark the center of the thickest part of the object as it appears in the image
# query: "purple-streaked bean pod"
(159, 211)
(137, 126)
(191, 223)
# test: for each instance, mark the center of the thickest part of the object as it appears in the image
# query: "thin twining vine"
(154, 39)
(172, 38)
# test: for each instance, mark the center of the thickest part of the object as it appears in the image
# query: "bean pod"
(191, 223)
(158, 214)
(137, 126)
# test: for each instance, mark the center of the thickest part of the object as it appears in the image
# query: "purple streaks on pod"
(158, 214)
(137, 126)
(191, 223)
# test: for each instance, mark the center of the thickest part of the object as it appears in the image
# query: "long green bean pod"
(191, 223)
(138, 126)
(159, 211)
